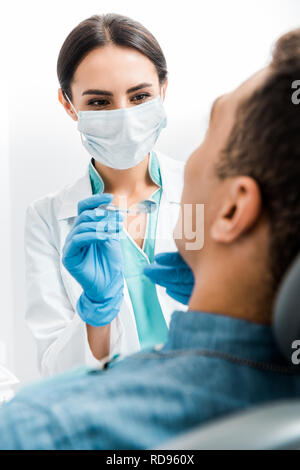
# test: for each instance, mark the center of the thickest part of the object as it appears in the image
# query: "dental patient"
(220, 355)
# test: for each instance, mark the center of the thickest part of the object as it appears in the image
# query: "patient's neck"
(242, 295)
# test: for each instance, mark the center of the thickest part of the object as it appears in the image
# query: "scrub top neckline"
(154, 173)
(153, 170)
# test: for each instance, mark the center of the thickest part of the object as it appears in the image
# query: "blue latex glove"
(92, 254)
(169, 270)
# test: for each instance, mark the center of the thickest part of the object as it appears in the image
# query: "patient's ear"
(239, 211)
(66, 105)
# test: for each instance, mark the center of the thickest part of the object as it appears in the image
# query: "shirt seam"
(221, 355)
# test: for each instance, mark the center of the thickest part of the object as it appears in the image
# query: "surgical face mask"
(121, 138)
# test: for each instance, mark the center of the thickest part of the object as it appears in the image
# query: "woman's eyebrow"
(139, 87)
(109, 93)
(97, 92)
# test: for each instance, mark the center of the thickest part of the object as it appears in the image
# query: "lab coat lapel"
(72, 195)
(66, 214)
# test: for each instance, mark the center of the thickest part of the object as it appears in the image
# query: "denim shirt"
(210, 366)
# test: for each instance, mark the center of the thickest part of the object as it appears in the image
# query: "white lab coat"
(52, 293)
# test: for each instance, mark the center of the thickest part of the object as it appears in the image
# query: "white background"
(210, 46)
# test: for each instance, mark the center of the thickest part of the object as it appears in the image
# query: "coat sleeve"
(59, 333)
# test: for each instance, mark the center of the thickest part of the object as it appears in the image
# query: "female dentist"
(113, 80)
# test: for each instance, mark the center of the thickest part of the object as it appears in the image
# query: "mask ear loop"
(162, 93)
(71, 104)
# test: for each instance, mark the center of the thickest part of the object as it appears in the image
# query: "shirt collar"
(98, 183)
(223, 334)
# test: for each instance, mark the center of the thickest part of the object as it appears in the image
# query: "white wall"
(6, 300)
(210, 47)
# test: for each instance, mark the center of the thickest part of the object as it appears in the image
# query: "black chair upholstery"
(286, 319)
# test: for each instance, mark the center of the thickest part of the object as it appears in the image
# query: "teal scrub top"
(151, 325)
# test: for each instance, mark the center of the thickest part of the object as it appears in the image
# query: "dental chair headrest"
(286, 313)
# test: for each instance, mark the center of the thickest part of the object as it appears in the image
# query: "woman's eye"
(98, 103)
(140, 97)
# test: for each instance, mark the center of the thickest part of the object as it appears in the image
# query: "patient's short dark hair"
(265, 144)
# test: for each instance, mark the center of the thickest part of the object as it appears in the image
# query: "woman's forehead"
(113, 65)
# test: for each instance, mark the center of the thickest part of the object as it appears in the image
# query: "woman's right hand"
(92, 254)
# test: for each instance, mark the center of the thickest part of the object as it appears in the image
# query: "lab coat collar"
(171, 182)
